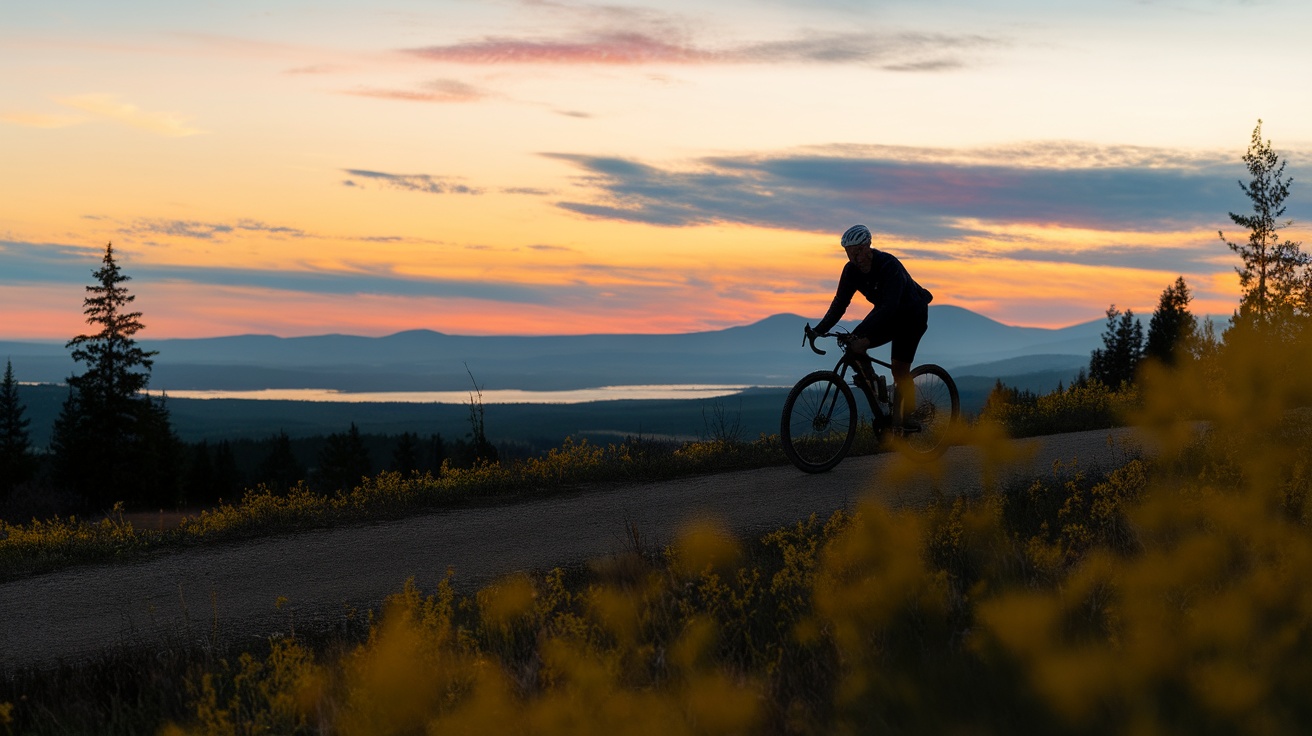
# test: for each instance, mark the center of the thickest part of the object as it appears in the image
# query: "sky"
(543, 167)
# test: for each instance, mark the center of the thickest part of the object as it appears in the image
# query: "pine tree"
(1114, 363)
(1274, 277)
(16, 462)
(280, 470)
(1172, 327)
(405, 456)
(200, 487)
(227, 478)
(344, 461)
(112, 442)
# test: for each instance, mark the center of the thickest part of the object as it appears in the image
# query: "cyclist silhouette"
(901, 307)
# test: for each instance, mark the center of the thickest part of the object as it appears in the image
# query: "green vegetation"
(112, 442)
(1162, 595)
(45, 545)
(17, 464)
(1275, 276)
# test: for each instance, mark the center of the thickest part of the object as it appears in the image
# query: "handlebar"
(811, 336)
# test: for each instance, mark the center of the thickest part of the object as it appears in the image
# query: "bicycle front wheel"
(936, 409)
(819, 422)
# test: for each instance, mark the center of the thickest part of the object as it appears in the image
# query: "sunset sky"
(540, 167)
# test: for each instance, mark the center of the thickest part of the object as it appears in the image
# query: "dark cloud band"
(920, 199)
(894, 52)
(46, 263)
(425, 183)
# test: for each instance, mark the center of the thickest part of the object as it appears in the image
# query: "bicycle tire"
(937, 411)
(819, 422)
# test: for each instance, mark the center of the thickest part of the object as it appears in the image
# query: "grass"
(45, 545)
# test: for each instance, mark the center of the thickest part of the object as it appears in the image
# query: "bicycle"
(820, 420)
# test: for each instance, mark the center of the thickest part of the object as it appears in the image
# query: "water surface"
(491, 396)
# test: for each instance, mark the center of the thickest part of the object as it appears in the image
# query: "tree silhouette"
(227, 478)
(112, 442)
(1172, 326)
(344, 460)
(280, 470)
(16, 462)
(1114, 363)
(1274, 276)
(405, 456)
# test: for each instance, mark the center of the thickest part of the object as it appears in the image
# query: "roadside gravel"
(228, 592)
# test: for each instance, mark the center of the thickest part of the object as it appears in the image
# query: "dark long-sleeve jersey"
(888, 287)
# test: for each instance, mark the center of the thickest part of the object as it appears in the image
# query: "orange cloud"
(108, 107)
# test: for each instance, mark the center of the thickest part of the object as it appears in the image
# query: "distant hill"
(766, 353)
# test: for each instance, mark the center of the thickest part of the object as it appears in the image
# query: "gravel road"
(229, 591)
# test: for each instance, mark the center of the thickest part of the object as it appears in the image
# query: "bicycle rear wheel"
(819, 422)
(937, 409)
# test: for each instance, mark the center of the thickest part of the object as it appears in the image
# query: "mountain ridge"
(766, 352)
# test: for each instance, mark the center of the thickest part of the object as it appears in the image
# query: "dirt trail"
(229, 591)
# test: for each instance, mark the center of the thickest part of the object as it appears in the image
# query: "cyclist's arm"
(842, 298)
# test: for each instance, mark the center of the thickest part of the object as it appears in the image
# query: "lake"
(493, 396)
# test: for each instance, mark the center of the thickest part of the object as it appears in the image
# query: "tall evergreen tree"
(405, 456)
(344, 460)
(227, 478)
(16, 462)
(280, 470)
(199, 487)
(1274, 276)
(1114, 363)
(112, 442)
(1172, 326)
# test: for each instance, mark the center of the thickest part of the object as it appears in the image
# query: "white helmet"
(856, 235)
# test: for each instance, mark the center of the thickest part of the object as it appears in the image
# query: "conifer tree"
(112, 442)
(280, 470)
(405, 456)
(344, 460)
(1114, 363)
(16, 462)
(227, 478)
(1274, 276)
(1172, 326)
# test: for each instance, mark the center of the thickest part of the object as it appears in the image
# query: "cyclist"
(900, 316)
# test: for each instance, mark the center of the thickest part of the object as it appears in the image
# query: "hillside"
(765, 353)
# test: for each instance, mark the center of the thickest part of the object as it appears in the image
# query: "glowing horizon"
(554, 168)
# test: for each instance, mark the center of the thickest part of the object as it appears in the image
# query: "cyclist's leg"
(905, 341)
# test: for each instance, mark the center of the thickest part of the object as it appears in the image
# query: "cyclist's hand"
(810, 334)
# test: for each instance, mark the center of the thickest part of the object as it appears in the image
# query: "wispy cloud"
(898, 52)
(108, 107)
(438, 90)
(48, 263)
(1211, 258)
(207, 230)
(411, 182)
(918, 197)
(41, 120)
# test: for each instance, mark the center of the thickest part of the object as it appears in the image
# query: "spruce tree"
(1172, 327)
(1114, 363)
(16, 461)
(1274, 276)
(280, 470)
(344, 461)
(405, 456)
(112, 442)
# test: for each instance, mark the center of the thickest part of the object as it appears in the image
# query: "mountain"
(766, 353)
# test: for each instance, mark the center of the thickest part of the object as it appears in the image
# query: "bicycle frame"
(846, 362)
(849, 362)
